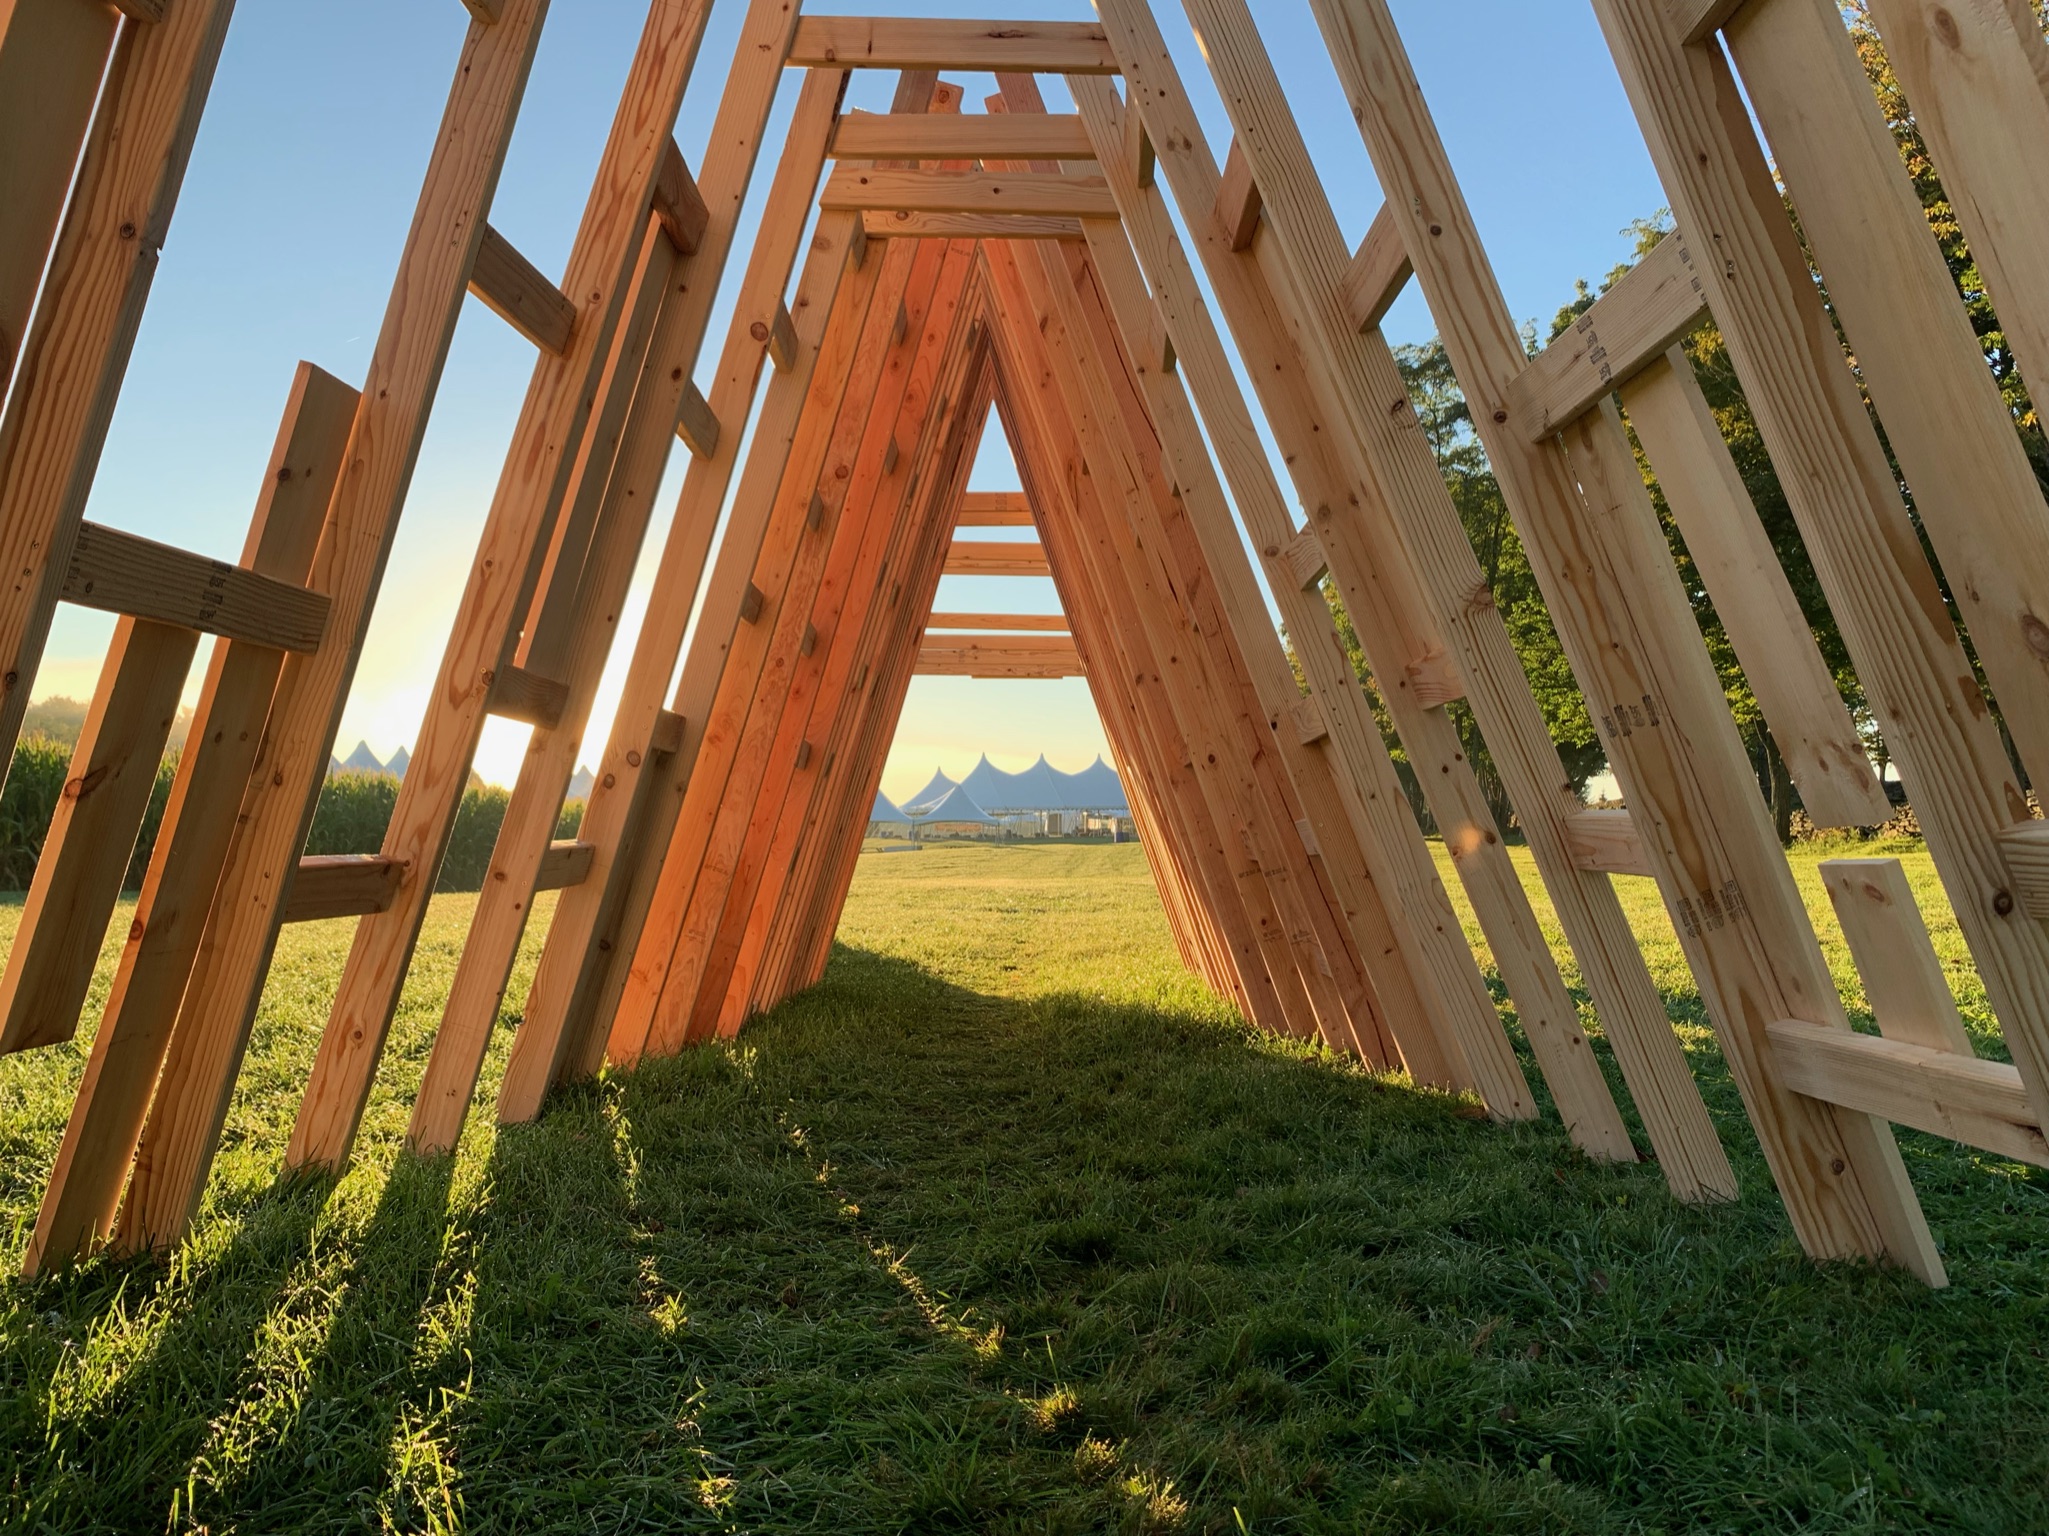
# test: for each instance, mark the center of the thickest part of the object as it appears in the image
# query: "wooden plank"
(92, 833)
(853, 188)
(560, 1030)
(69, 371)
(1347, 450)
(1903, 978)
(517, 694)
(953, 136)
(52, 55)
(1979, 1103)
(148, 11)
(996, 621)
(1816, 737)
(1628, 328)
(995, 509)
(1625, 622)
(341, 885)
(517, 292)
(485, 13)
(1844, 495)
(1303, 560)
(897, 224)
(978, 557)
(193, 838)
(1238, 201)
(1307, 717)
(565, 441)
(120, 572)
(999, 649)
(1693, 20)
(2026, 845)
(782, 340)
(1409, 575)
(1607, 840)
(219, 1001)
(1980, 503)
(1378, 273)
(882, 42)
(565, 863)
(1978, 76)
(697, 424)
(678, 203)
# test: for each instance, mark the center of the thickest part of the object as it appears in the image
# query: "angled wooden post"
(1625, 622)
(581, 940)
(1387, 506)
(68, 373)
(216, 1007)
(192, 841)
(562, 406)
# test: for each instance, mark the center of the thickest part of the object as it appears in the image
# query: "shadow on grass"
(907, 1257)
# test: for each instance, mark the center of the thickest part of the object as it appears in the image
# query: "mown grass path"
(1006, 1227)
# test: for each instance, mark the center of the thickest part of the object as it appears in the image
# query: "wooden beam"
(145, 11)
(697, 424)
(1052, 622)
(193, 840)
(517, 694)
(1379, 271)
(898, 224)
(1629, 327)
(1819, 742)
(853, 188)
(995, 509)
(1694, 20)
(92, 833)
(976, 557)
(520, 295)
(563, 1031)
(1307, 718)
(53, 54)
(678, 203)
(880, 42)
(1238, 201)
(953, 136)
(781, 339)
(68, 374)
(2026, 846)
(485, 13)
(120, 572)
(1979, 1103)
(214, 1002)
(1903, 978)
(341, 885)
(1608, 841)
(999, 651)
(1303, 559)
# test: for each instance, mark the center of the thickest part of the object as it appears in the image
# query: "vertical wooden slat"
(1903, 978)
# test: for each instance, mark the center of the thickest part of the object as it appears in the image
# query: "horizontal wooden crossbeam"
(342, 885)
(1607, 841)
(1629, 327)
(978, 558)
(1238, 201)
(995, 509)
(890, 42)
(1693, 20)
(951, 136)
(851, 189)
(517, 694)
(520, 295)
(1380, 270)
(1044, 656)
(2026, 845)
(566, 863)
(119, 572)
(897, 224)
(1980, 1103)
(981, 622)
(678, 203)
(153, 10)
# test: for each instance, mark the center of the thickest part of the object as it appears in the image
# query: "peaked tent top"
(956, 808)
(884, 810)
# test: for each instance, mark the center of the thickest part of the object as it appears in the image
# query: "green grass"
(1008, 1227)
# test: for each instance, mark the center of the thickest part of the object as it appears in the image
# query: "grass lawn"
(1008, 1227)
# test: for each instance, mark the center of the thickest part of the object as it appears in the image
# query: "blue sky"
(303, 182)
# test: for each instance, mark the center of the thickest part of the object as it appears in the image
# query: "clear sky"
(304, 179)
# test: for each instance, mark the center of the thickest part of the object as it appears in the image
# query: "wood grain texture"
(992, 557)
(1380, 270)
(120, 572)
(883, 42)
(955, 136)
(341, 885)
(517, 292)
(1903, 978)
(852, 189)
(899, 224)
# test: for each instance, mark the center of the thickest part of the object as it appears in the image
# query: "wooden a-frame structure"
(913, 271)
